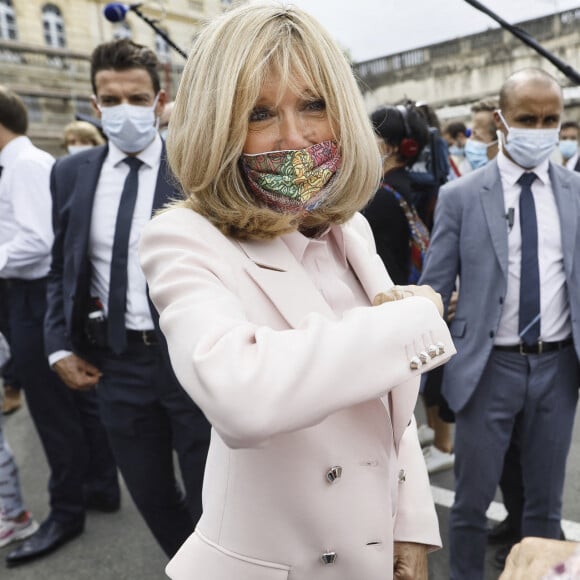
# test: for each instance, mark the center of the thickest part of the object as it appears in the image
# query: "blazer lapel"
(164, 190)
(370, 270)
(284, 280)
(493, 204)
(82, 204)
(566, 202)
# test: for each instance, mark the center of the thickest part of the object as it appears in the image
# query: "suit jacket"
(470, 239)
(290, 392)
(73, 184)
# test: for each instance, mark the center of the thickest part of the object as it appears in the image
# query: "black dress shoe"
(102, 503)
(49, 536)
(503, 533)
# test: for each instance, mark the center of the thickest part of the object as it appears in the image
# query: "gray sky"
(375, 28)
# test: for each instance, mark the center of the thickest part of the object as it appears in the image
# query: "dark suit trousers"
(148, 415)
(535, 396)
(68, 424)
(8, 372)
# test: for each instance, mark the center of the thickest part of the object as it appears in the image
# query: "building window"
(53, 25)
(122, 30)
(162, 49)
(7, 20)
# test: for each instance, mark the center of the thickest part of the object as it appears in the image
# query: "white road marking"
(497, 511)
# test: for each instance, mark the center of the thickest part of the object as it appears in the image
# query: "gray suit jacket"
(470, 240)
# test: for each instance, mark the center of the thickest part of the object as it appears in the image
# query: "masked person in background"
(101, 330)
(265, 277)
(568, 145)
(509, 232)
(81, 135)
(481, 147)
(456, 135)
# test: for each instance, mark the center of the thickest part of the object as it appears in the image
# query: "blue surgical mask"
(568, 148)
(72, 149)
(476, 152)
(457, 151)
(529, 147)
(130, 127)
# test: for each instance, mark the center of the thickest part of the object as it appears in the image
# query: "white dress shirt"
(102, 234)
(555, 310)
(26, 233)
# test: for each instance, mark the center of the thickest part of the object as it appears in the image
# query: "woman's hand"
(410, 561)
(534, 557)
(402, 292)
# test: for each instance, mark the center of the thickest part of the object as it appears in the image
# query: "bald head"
(525, 80)
(529, 99)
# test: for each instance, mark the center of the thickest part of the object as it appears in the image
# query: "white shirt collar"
(150, 155)
(511, 171)
(298, 242)
(13, 148)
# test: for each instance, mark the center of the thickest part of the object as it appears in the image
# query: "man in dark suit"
(509, 231)
(82, 469)
(101, 330)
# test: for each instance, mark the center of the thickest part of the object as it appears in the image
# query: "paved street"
(113, 546)
(119, 547)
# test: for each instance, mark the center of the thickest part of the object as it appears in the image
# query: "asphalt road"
(119, 546)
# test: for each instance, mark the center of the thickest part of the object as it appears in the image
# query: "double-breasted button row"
(328, 557)
(334, 473)
(423, 357)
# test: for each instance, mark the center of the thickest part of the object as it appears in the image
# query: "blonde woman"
(81, 135)
(265, 277)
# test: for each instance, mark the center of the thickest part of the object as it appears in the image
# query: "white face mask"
(72, 149)
(130, 127)
(529, 147)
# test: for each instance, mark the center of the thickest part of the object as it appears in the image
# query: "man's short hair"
(455, 128)
(124, 54)
(13, 114)
(570, 125)
(485, 106)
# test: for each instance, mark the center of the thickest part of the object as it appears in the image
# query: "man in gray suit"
(509, 231)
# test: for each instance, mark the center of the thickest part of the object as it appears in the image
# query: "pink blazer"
(309, 412)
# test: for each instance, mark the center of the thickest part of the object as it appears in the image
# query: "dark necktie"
(529, 315)
(118, 281)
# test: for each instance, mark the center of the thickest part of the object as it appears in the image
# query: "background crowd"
(485, 212)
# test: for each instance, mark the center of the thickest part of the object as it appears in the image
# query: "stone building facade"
(452, 75)
(45, 47)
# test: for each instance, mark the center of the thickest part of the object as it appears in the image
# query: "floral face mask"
(292, 181)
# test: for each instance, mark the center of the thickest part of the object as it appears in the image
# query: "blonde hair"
(231, 59)
(84, 131)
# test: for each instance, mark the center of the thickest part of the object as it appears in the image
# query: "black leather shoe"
(102, 503)
(49, 536)
(503, 533)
